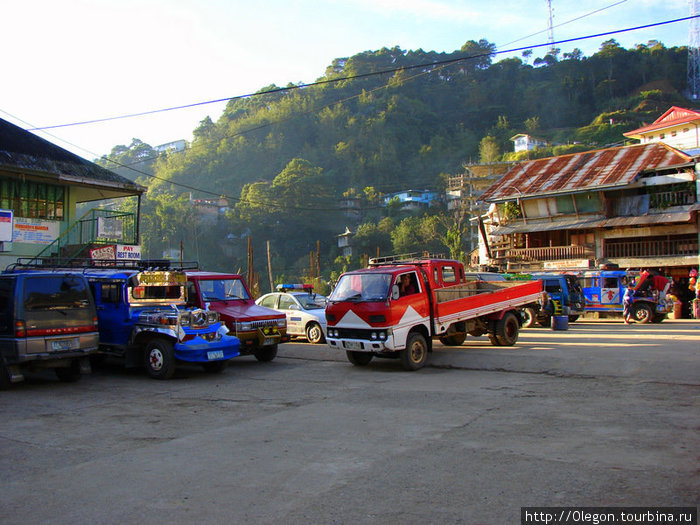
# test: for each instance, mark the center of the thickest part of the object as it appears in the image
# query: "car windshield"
(362, 287)
(311, 301)
(222, 289)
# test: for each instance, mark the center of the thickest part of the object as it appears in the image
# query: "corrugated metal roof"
(23, 151)
(590, 170)
(597, 222)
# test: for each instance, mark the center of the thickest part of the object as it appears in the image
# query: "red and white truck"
(397, 306)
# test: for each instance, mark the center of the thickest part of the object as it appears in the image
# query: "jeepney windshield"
(362, 287)
(222, 289)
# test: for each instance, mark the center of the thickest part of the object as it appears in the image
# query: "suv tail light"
(20, 328)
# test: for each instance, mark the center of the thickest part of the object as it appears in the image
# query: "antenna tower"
(694, 54)
(550, 28)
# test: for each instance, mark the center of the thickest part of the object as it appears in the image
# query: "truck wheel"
(359, 358)
(160, 359)
(314, 333)
(453, 340)
(215, 367)
(266, 353)
(642, 313)
(507, 329)
(69, 374)
(416, 353)
(529, 317)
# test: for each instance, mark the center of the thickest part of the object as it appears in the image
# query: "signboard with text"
(128, 252)
(35, 231)
(5, 225)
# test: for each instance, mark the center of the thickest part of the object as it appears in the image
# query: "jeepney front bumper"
(199, 350)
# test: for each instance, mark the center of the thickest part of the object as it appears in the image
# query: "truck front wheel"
(416, 353)
(507, 329)
(160, 359)
(359, 358)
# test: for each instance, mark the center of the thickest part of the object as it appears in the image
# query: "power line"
(365, 75)
(432, 65)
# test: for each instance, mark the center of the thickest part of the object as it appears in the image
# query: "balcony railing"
(550, 253)
(651, 247)
(667, 199)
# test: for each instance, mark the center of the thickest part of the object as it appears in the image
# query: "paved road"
(602, 414)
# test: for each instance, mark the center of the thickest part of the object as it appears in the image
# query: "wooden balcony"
(550, 253)
(672, 245)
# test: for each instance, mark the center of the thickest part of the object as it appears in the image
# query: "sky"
(67, 61)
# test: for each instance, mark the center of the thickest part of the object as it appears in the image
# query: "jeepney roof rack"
(56, 263)
(404, 258)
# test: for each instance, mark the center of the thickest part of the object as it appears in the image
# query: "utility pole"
(269, 266)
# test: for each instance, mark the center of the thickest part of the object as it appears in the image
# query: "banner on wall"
(104, 253)
(35, 231)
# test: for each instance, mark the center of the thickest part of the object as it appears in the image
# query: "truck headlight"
(185, 319)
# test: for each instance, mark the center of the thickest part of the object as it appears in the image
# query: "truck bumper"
(361, 345)
(198, 350)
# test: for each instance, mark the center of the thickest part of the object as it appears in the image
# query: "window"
(552, 286)
(111, 292)
(610, 282)
(269, 301)
(286, 302)
(33, 199)
(448, 274)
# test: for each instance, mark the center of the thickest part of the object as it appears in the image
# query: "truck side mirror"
(395, 292)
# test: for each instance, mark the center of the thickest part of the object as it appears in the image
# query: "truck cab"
(259, 329)
(565, 297)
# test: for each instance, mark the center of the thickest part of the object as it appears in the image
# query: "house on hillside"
(412, 200)
(677, 127)
(634, 206)
(524, 142)
(40, 186)
(174, 146)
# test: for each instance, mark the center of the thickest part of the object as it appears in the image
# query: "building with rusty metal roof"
(41, 185)
(634, 206)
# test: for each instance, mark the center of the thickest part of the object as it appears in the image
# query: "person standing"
(627, 304)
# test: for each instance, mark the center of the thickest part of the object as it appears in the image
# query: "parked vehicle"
(143, 318)
(259, 329)
(47, 320)
(564, 291)
(604, 291)
(305, 310)
(369, 316)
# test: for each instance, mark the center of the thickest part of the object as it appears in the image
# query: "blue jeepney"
(605, 289)
(143, 318)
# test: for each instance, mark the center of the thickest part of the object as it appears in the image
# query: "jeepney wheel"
(529, 317)
(314, 333)
(507, 329)
(642, 313)
(70, 373)
(215, 367)
(416, 353)
(453, 340)
(266, 353)
(359, 358)
(160, 359)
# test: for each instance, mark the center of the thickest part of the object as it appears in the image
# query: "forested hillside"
(286, 157)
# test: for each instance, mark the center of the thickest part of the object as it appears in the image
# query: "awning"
(583, 224)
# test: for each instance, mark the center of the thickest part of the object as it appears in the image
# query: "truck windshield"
(362, 287)
(222, 289)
